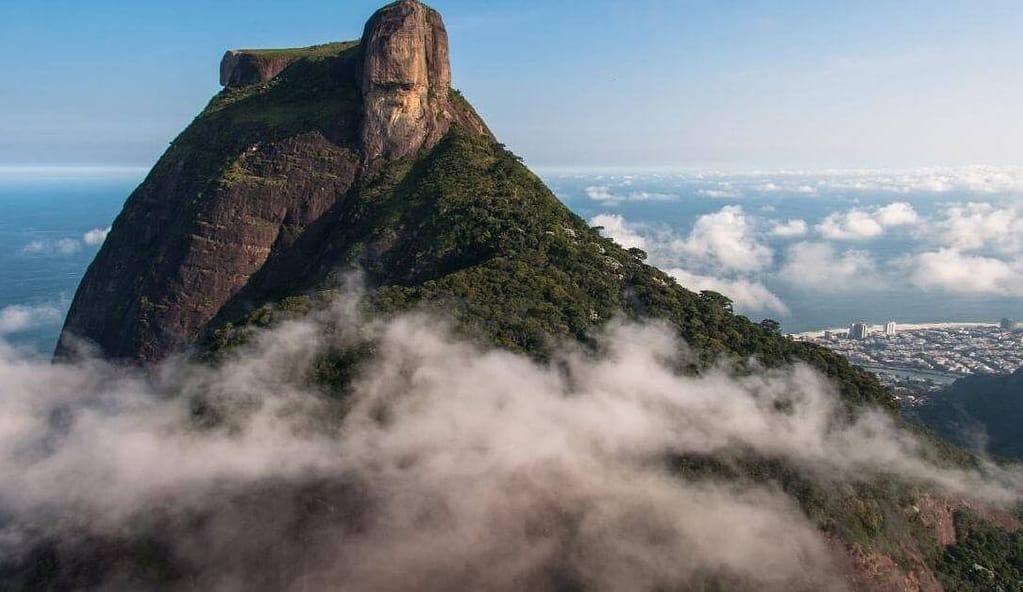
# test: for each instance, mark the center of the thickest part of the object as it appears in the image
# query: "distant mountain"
(981, 411)
(316, 163)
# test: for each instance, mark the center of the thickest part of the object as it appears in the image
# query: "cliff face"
(241, 68)
(405, 81)
(288, 139)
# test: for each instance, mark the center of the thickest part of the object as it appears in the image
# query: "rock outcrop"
(406, 80)
(242, 68)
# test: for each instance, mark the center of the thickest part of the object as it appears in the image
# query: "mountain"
(317, 161)
(981, 411)
(272, 164)
(317, 164)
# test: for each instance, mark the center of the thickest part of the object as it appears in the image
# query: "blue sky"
(601, 83)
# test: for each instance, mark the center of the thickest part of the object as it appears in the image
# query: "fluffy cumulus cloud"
(747, 295)
(975, 226)
(790, 228)
(857, 224)
(723, 243)
(961, 273)
(617, 228)
(819, 267)
(96, 236)
(445, 467)
(17, 318)
(728, 240)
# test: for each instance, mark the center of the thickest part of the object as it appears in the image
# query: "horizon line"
(65, 170)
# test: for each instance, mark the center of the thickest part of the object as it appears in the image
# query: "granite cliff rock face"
(406, 80)
(264, 167)
(241, 68)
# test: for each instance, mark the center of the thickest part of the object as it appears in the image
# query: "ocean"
(810, 250)
(44, 250)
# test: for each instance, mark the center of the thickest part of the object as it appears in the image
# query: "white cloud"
(790, 228)
(973, 179)
(929, 180)
(600, 193)
(63, 246)
(17, 318)
(985, 180)
(851, 225)
(619, 230)
(719, 193)
(783, 187)
(728, 240)
(858, 224)
(737, 248)
(818, 267)
(444, 461)
(606, 194)
(955, 272)
(650, 196)
(897, 214)
(975, 226)
(748, 296)
(96, 236)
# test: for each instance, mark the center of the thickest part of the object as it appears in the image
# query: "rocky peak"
(405, 80)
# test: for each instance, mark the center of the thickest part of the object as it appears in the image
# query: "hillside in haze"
(341, 337)
(982, 411)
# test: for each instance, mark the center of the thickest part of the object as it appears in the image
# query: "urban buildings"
(944, 351)
(859, 331)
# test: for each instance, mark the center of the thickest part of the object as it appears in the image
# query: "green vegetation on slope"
(313, 51)
(468, 230)
(984, 559)
(309, 97)
(978, 410)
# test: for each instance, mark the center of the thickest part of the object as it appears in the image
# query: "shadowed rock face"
(405, 80)
(240, 68)
(238, 196)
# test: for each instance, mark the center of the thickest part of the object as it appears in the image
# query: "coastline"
(905, 327)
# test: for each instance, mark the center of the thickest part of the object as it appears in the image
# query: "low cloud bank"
(447, 466)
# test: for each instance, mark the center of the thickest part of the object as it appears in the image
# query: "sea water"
(45, 250)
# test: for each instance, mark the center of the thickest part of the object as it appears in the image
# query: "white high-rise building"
(889, 329)
(859, 331)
